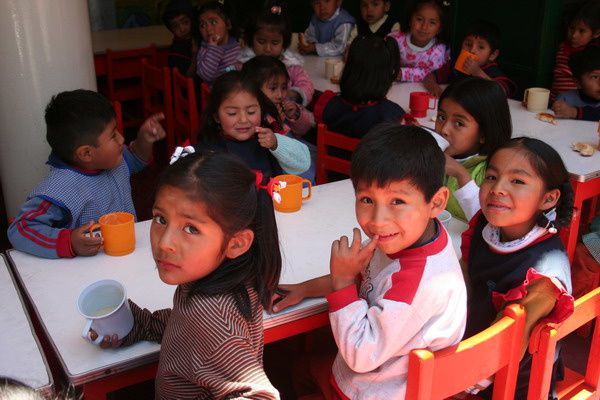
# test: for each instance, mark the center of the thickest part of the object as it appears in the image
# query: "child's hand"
(291, 109)
(347, 261)
(457, 170)
(213, 39)
(471, 67)
(305, 47)
(107, 342)
(563, 110)
(84, 244)
(266, 138)
(288, 295)
(151, 130)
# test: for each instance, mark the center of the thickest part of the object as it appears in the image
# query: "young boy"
(403, 289)
(179, 17)
(374, 20)
(328, 31)
(584, 102)
(88, 177)
(483, 40)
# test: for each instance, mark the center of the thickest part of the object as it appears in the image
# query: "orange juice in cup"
(291, 194)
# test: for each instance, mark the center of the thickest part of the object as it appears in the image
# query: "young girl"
(583, 31)
(232, 122)
(370, 70)
(473, 116)
(226, 264)
(270, 75)
(270, 34)
(422, 49)
(219, 49)
(511, 249)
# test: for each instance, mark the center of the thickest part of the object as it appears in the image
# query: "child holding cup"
(89, 176)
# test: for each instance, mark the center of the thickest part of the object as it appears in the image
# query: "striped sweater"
(214, 60)
(208, 349)
(563, 79)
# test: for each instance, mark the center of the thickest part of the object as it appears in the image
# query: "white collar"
(416, 48)
(491, 235)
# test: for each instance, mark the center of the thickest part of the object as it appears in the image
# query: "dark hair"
(392, 152)
(589, 14)
(486, 102)
(372, 65)
(176, 8)
(76, 118)
(227, 187)
(225, 11)
(262, 68)
(548, 164)
(487, 31)
(226, 84)
(272, 17)
(585, 61)
(443, 8)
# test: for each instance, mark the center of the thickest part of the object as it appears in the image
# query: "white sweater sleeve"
(292, 155)
(468, 199)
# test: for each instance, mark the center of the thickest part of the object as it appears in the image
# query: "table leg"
(98, 389)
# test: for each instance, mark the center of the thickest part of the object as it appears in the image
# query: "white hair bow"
(181, 152)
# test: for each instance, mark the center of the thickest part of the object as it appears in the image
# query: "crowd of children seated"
(213, 230)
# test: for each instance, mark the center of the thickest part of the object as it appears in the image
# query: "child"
(179, 17)
(270, 34)
(584, 102)
(421, 50)
(411, 293)
(328, 31)
(219, 49)
(584, 31)
(226, 263)
(88, 177)
(511, 249)
(483, 40)
(473, 116)
(370, 70)
(232, 122)
(271, 76)
(374, 20)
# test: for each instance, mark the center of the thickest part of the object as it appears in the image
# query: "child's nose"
(166, 241)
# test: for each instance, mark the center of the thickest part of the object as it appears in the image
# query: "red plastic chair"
(542, 346)
(496, 350)
(327, 162)
(204, 95)
(124, 75)
(118, 116)
(157, 96)
(186, 121)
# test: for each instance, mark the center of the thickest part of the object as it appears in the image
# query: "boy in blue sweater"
(88, 177)
(328, 31)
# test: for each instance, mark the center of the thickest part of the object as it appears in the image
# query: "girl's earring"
(547, 223)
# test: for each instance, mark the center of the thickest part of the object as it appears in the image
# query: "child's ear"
(494, 55)
(239, 243)
(550, 199)
(438, 201)
(83, 154)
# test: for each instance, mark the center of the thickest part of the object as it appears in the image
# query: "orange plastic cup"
(462, 57)
(291, 195)
(118, 233)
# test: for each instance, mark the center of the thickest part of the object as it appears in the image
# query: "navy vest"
(363, 28)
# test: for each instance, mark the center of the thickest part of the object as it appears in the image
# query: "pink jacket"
(416, 64)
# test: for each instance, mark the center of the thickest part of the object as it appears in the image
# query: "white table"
(584, 171)
(53, 287)
(22, 358)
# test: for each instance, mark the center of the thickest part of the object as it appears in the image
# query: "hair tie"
(272, 187)
(446, 3)
(181, 152)
(276, 10)
(546, 220)
(222, 2)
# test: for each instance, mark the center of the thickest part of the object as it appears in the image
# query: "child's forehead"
(208, 14)
(473, 36)
(404, 185)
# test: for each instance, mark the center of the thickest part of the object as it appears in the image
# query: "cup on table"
(330, 64)
(420, 102)
(338, 68)
(118, 233)
(536, 99)
(462, 57)
(291, 194)
(445, 218)
(104, 304)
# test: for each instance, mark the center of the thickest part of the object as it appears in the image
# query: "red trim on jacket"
(341, 298)
(63, 245)
(31, 234)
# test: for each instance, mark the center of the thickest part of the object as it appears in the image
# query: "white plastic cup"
(330, 67)
(445, 217)
(104, 304)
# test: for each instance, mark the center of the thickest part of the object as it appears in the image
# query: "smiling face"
(268, 42)
(398, 214)
(324, 9)
(211, 24)
(372, 11)
(459, 128)
(425, 24)
(187, 244)
(513, 195)
(481, 48)
(239, 115)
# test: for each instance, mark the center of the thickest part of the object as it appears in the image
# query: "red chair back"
(327, 162)
(124, 72)
(118, 116)
(446, 372)
(542, 346)
(204, 95)
(157, 96)
(186, 121)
